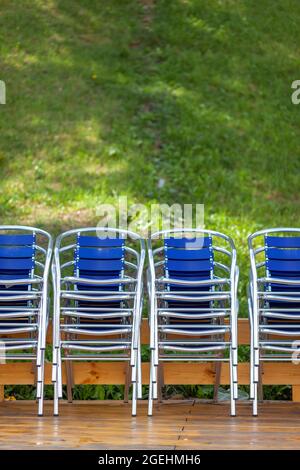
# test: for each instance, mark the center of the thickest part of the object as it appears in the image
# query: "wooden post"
(296, 392)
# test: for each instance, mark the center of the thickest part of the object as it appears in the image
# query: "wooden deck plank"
(182, 425)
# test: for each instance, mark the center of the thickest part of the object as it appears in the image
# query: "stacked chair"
(25, 257)
(192, 286)
(274, 301)
(98, 297)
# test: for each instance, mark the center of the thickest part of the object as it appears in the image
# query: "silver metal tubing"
(190, 358)
(74, 313)
(280, 332)
(17, 357)
(85, 347)
(104, 326)
(13, 282)
(280, 297)
(168, 280)
(102, 341)
(195, 316)
(66, 306)
(95, 309)
(277, 280)
(193, 331)
(196, 326)
(195, 309)
(192, 342)
(88, 357)
(17, 347)
(14, 298)
(114, 294)
(18, 340)
(222, 266)
(186, 298)
(281, 316)
(17, 330)
(96, 282)
(95, 332)
(275, 347)
(4, 315)
(93, 298)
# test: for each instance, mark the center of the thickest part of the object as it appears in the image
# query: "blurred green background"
(108, 98)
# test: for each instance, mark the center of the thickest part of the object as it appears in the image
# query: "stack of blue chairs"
(191, 294)
(25, 256)
(98, 305)
(274, 301)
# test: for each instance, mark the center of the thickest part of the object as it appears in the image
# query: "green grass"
(106, 98)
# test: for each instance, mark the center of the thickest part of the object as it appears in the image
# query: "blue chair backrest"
(283, 262)
(97, 258)
(283, 256)
(17, 256)
(189, 258)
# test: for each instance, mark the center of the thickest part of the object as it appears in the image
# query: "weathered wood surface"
(174, 425)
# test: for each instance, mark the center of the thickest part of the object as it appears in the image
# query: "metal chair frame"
(206, 349)
(31, 319)
(127, 346)
(263, 347)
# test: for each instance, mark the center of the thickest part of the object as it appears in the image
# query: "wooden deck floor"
(182, 425)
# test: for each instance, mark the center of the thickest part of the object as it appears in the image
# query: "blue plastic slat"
(283, 266)
(283, 254)
(106, 304)
(189, 266)
(181, 287)
(203, 276)
(90, 241)
(16, 264)
(172, 253)
(16, 252)
(282, 242)
(188, 243)
(187, 322)
(99, 274)
(11, 276)
(99, 253)
(284, 287)
(99, 265)
(93, 288)
(279, 304)
(183, 304)
(14, 274)
(17, 239)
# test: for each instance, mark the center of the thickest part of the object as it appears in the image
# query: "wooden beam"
(176, 373)
(296, 393)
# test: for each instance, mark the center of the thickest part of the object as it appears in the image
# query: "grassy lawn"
(106, 98)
